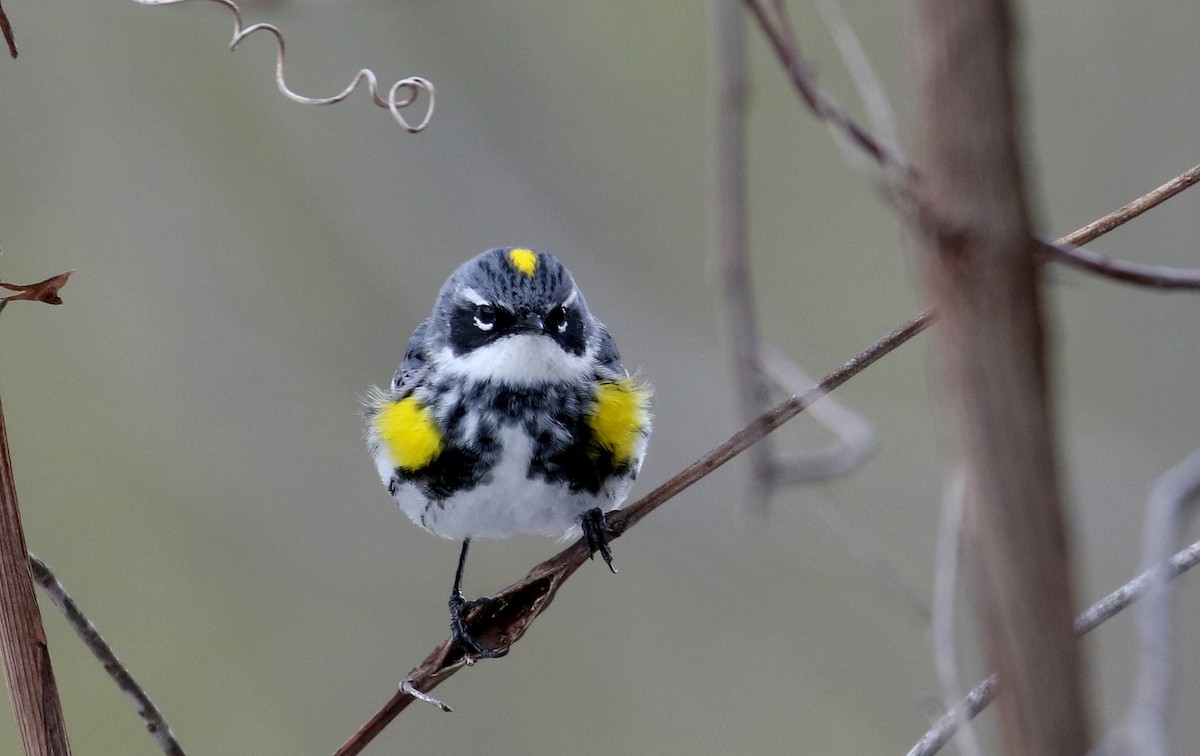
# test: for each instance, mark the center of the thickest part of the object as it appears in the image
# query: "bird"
(510, 413)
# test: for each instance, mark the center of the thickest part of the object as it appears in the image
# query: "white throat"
(520, 360)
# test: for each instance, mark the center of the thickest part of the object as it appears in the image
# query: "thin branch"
(91, 638)
(1122, 215)
(502, 620)
(855, 434)
(732, 245)
(7, 30)
(870, 89)
(782, 38)
(402, 94)
(1174, 495)
(757, 368)
(1153, 276)
(1098, 613)
(945, 587)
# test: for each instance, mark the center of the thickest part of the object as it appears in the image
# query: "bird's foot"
(461, 635)
(597, 533)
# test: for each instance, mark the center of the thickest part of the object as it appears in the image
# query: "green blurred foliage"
(185, 430)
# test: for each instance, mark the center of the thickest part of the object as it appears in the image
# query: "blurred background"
(185, 429)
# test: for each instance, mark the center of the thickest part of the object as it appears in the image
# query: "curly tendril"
(401, 94)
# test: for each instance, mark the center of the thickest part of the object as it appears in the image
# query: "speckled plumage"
(515, 400)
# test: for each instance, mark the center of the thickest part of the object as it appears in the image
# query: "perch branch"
(91, 638)
(502, 620)
(1094, 616)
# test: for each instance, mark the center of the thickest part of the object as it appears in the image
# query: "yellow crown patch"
(523, 260)
(409, 433)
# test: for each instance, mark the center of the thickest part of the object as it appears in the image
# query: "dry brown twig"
(27, 670)
(7, 30)
(42, 291)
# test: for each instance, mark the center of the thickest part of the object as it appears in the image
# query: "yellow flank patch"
(620, 417)
(523, 260)
(409, 433)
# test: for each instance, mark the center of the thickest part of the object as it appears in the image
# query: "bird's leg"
(596, 532)
(458, 608)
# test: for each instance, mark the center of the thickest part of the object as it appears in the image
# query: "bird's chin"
(523, 359)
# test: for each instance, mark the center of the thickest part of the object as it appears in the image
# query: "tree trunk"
(979, 263)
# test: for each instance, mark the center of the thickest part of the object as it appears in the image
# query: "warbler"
(510, 413)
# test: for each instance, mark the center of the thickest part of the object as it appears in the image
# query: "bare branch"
(1095, 615)
(945, 586)
(1153, 276)
(411, 87)
(759, 371)
(783, 41)
(870, 90)
(729, 145)
(7, 30)
(855, 434)
(91, 638)
(27, 670)
(1122, 215)
(503, 619)
(1066, 250)
(1174, 495)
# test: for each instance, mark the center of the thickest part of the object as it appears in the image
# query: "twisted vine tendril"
(402, 94)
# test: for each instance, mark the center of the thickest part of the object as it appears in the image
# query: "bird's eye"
(485, 317)
(557, 319)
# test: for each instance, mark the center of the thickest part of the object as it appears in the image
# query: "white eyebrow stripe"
(570, 300)
(473, 296)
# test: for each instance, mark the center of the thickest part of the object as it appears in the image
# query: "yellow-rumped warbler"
(510, 413)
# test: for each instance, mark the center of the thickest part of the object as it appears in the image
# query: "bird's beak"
(530, 321)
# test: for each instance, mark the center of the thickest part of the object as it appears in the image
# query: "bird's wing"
(415, 363)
